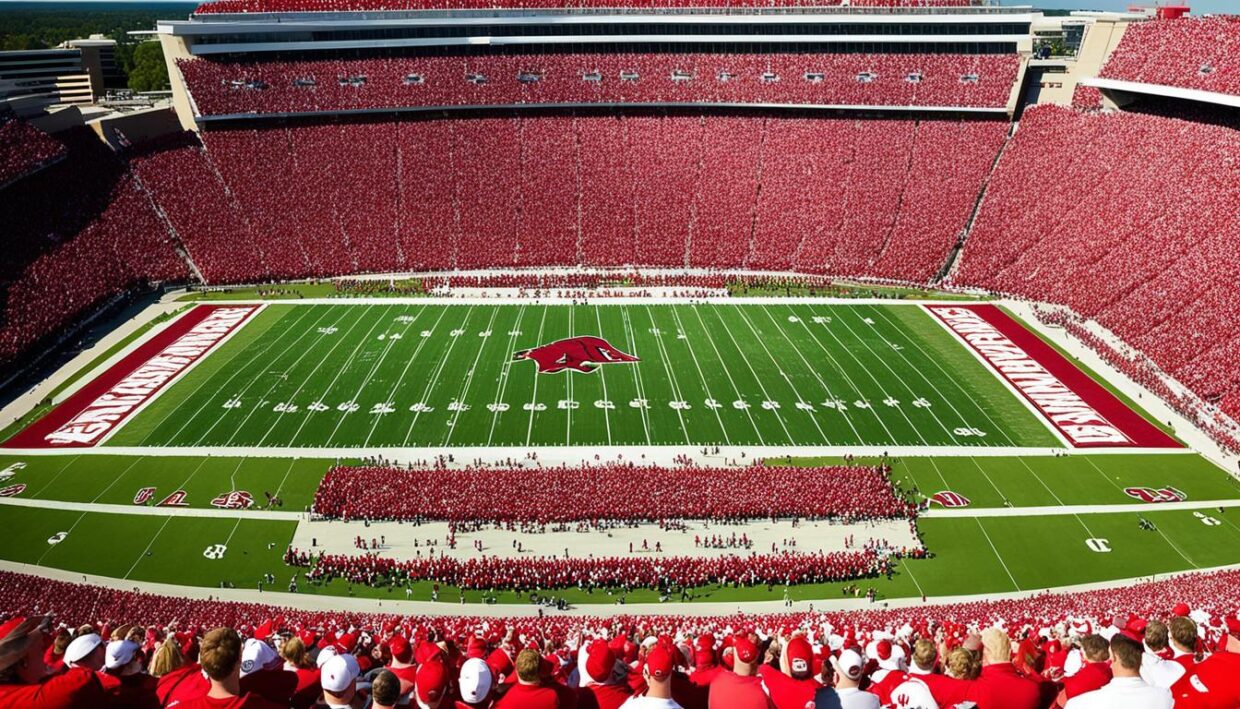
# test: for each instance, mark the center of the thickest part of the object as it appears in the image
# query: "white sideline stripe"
(1051, 510)
(617, 300)
(344, 604)
(934, 513)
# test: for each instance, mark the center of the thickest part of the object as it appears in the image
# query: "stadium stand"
(1031, 646)
(1150, 255)
(333, 85)
(25, 149)
(86, 209)
(245, 6)
(1196, 53)
(614, 492)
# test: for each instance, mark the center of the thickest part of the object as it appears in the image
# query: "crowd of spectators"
(222, 87)
(1152, 256)
(1188, 53)
(610, 492)
(228, 6)
(1161, 644)
(25, 149)
(522, 574)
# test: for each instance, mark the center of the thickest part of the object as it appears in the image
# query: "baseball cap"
(339, 673)
(325, 654)
(475, 680)
(82, 646)
(746, 651)
(660, 663)
(1181, 610)
(255, 655)
(600, 661)
(430, 683)
(848, 664)
(800, 655)
(120, 653)
(400, 648)
(913, 694)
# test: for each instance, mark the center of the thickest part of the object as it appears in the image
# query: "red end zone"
(1085, 412)
(101, 406)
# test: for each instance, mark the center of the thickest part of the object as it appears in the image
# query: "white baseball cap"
(849, 664)
(82, 646)
(119, 653)
(256, 655)
(325, 654)
(475, 680)
(913, 694)
(339, 673)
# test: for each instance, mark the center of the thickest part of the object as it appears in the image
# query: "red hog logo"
(947, 498)
(1149, 494)
(581, 354)
(234, 500)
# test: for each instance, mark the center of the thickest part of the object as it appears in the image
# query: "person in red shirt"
(793, 685)
(297, 662)
(430, 687)
(951, 689)
(384, 690)
(220, 658)
(262, 672)
(25, 680)
(604, 681)
(476, 684)
(1214, 683)
(1094, 674)
(130, 686)
(742, 687)
(1000, 686)
(1183, 632)
(402, 663)
(530, 691)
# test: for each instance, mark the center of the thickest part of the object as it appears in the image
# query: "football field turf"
(429, 375)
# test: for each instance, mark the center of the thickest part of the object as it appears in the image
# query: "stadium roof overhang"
(1134, 87)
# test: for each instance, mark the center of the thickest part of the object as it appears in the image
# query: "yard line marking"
(693, 355)
(148, 547)
(118, 477)
(1175, 546)
(529, 431)
(727, 372)
(505, 372)
(258, 358)
(443, 361)
(812, 370)
(998, 556)
(391, 397)
(792, 387)
(50, 547)
(1048, 489)
(568, 417)
(276, 380)
(724, 326)
(598, 319)
(291, 462)
(882, 313)
(71, 460)
(902, 380)
(469, 378)
(637, 379)
(671, 376)
(388, 345)
(844, 373)
(330, 385)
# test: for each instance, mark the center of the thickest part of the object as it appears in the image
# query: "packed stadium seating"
(1138, 234)
(25, 149)
(1041, 629)
(221, 6)
(76, 235)
(715, 191)
(331, 85)
(1196, 53)
(613, 492)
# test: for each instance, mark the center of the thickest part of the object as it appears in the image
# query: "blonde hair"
(998, 646)
(962, 664)
(294, 652)
(167, 658)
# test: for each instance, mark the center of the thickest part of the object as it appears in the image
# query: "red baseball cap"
(800, 655)
(600, 661)
(746, 651)
(431, 682)
(401, 651)
(660, 663)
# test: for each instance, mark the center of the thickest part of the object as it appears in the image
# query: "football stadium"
(642, 353)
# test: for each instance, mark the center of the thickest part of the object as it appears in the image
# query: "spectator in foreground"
(742, 687)
(384, 690)
(475, 685)
(1000, 686)
(339, 682)
(220, 657)
(1095, 673)
(24, 677)
(1126, 688)
(528, 692)
(846, 694)
(658, 670)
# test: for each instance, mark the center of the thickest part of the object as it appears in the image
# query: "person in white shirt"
(847, 692)
(1126, 688)
(658, 674)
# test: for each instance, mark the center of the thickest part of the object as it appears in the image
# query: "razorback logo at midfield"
(1149, 494)
(234, 500)
(947, 498)
(581, 354)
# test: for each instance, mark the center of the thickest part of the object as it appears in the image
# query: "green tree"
(149, 72)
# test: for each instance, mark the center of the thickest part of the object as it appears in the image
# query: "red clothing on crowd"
(703, 676)
(788, 692)
(133, 692)
(731, 691)
(249, 700)
(78, 687)
(1091, 676)
(1002, 687)
(884, 687)
(603, 696)
(689, 695)
(529, 696)
(183, 684)
(1215, 684)
(275, 685)
(947, 691)
(308, 690)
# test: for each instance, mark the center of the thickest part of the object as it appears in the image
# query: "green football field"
(426, 375)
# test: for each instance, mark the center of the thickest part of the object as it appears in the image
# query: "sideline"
(344, 604)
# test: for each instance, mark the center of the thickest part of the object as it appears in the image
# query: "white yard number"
(215, 551)
(1101, 546)
(1207, 520)
(969, 432)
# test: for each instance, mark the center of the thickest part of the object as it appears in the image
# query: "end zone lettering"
(1079, 422)
(106, 411)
